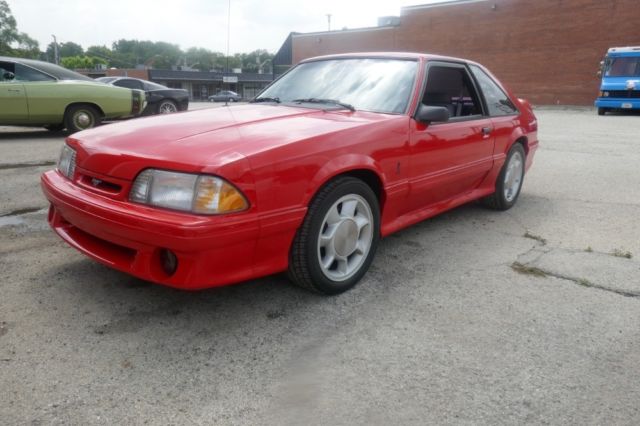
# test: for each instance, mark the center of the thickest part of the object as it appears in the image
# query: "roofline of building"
(435, 5)
(354, 30)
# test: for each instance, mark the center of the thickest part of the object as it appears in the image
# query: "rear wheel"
(81, 117)
(336, 243)
(167, 107)
(509, 182)
(232, 100)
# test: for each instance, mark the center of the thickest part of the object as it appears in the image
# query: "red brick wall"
(134, 73)
(547, 51)
(316, 44)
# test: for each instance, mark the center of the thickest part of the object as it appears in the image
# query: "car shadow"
(30, 133)
(622, 112)
(114, 307)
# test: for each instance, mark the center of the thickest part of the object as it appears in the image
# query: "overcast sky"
(255, 24)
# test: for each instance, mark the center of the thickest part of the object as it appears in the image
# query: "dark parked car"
(225, 96)
(160, 99)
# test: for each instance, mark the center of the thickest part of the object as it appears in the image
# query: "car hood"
(620, 83)
(203, 140)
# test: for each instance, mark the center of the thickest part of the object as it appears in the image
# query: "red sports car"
(340, 151)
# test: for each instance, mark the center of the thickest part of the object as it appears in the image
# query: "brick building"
(547, 51)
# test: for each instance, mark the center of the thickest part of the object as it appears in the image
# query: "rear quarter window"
(498, 102)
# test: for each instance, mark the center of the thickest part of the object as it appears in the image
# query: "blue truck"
(620, 88)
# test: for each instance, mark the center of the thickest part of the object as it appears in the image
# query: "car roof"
(389, 55)
(123, 77)
(48, 68)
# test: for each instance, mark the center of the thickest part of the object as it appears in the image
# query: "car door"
(504, 114)
(449, 158)
(13, 99)
(45, 98)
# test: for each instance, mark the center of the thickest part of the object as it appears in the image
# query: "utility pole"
(226, 101)
(329, 21)
(56, 57)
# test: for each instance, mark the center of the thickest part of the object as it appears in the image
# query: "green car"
(35, 93)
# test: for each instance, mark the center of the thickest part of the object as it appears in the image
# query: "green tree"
(257, 61)
(81, 62)
(12, 41)
(65, 50)
(100, 52)
(70, 49)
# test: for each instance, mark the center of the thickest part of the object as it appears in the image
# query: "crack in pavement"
(543, 261)
(541, 272)
(10, 166)
(22, 211)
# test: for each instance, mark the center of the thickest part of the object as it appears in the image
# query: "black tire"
(602, 111)
(54, 127)
(498, 200)
(166, 105)
(74, 118)
(304, 262)
(231, 100)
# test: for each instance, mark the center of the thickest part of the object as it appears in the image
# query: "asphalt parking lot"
(473, 317)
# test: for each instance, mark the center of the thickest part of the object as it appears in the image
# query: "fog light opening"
(169, 261)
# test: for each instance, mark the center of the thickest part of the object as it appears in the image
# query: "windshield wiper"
(266, 99)
(325, 101)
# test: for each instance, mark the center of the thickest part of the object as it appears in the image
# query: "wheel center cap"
(346, 238)
(83, 119)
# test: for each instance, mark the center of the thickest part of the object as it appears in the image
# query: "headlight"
(201, 194)
(606, 94)
(67, 161)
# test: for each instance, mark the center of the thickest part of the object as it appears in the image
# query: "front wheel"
(337, 241)
(81, 117)
(602, 111)
(509, 182)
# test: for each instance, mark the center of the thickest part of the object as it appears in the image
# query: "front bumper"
(211, 250)
(618, 103)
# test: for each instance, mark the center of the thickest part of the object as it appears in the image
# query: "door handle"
(15, 90)
(486, 131)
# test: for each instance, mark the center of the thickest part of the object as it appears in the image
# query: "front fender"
(342, 165)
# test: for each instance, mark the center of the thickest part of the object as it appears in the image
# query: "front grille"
(101, 185)
(623, 94)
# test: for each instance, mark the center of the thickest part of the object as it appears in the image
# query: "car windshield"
(623, 67)
(370, 84)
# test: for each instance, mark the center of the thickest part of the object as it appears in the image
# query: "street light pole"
(328, 22)
(226, 102)
(56, 58)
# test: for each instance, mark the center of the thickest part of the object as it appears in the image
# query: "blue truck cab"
(620, 88)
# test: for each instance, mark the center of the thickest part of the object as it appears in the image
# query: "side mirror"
(8, 75)
(428, 114)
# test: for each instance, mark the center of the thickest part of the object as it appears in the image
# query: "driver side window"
(451, 87)
(7, 69)
(29, 74)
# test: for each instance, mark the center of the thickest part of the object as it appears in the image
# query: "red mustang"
(337, 153)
